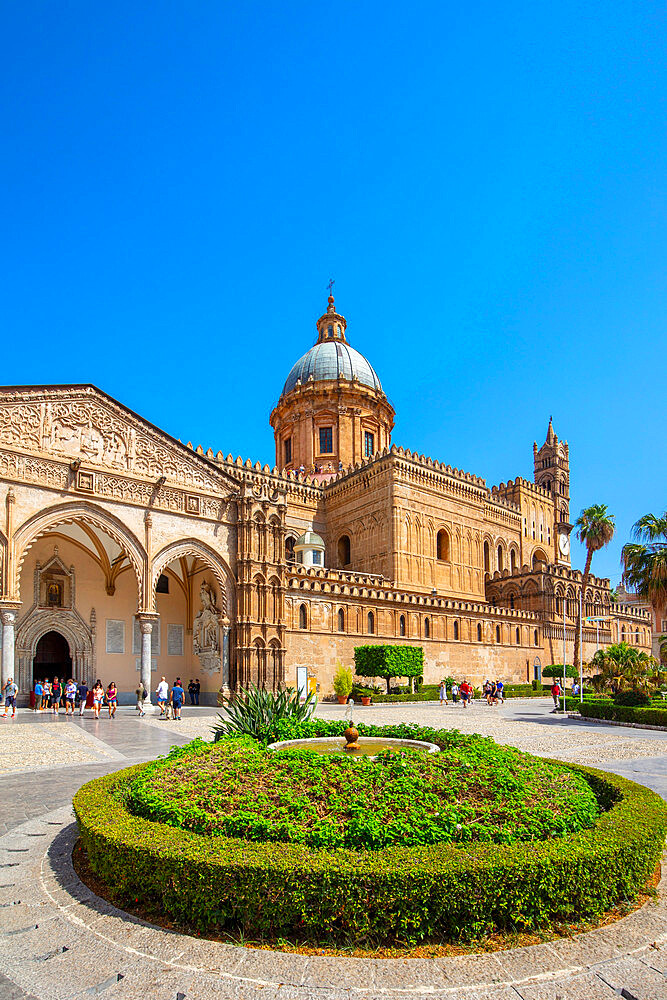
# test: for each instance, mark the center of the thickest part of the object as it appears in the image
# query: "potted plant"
(342, 682)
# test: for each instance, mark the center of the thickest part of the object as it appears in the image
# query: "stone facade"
(126, 554)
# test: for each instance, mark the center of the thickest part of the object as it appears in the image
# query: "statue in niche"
(205, 630)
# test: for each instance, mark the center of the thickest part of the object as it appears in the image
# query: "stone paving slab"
(62, 941)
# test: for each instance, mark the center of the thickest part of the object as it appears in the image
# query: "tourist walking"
(70, 696)
(443, 693)
(39, 691)
(82, 695)
(112, 699)
(455, 693)
(466, 692)
(56, 694)
(141, 694)
(9, 691)
(98, 698)
(162, 692)
(555, 693)
(46, 695)
(176, 699)
(500, 691)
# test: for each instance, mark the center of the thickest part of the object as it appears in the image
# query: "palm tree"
(645, 561)
(595, 528)
(625, 667)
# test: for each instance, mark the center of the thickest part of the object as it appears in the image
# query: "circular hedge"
(400, 893)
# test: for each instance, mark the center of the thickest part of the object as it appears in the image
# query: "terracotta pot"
(342, 699)
(366, 699)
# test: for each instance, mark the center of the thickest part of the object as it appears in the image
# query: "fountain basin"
(366, 746)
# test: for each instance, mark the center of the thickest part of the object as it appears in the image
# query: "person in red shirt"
(555, 693)
(466, 693)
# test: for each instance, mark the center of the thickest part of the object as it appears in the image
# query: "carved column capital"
(7, 616)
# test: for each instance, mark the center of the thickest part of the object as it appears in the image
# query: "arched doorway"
(52, 657)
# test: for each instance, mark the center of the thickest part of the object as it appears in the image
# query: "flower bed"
(398, 893)
(474, 791)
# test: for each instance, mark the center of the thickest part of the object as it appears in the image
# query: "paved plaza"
(60, 941)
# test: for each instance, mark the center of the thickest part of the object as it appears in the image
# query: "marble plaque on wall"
(175, 640)
(115, 636)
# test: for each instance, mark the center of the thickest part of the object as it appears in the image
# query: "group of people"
(493, 692)
(462, 691)
(52, 694)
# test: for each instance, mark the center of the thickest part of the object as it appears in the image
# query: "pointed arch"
(68, 513)
(199, 550)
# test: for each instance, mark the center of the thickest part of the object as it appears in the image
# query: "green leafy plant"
(342, 681)
(556, 670)
(474, 791)
(389, 661)
(256, 712)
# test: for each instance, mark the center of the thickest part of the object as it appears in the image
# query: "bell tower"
(552, 472)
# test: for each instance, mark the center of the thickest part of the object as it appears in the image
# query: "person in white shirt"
(162, 692)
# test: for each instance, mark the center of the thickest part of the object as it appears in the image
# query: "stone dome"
(329, 360)
(309, 538)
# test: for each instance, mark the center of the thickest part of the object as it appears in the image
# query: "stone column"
(146, 622)
(225, 630)
(8, 618)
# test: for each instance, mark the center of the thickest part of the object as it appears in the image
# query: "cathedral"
(125, 554)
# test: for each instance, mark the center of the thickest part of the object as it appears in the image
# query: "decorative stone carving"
(205, 630)
(86, 425)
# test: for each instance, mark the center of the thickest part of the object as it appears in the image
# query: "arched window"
(500, 558)
(344, 550)
(371, 623)
(289, 549)
(637, 636)
(479, 633)
(535, 637)
(329, 331)
(623, 633)
(427, 628)
(512, 601)
(341, 620)
(442, 546)
(162, 586)
(487, 557)
(401, 625)
(303, 616)
(497, 633)
(518, 637)
(456, 630)
(513, 560)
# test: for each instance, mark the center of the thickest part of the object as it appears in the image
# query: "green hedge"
(397, 894)
(389, 661)
(623, 713)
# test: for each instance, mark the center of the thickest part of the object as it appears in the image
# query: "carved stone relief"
(206, 630)
(95, 432)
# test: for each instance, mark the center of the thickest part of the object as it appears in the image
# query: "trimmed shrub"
(397, 894)
(389, 661)
(636, 699)
(556, 670)
(624, 713)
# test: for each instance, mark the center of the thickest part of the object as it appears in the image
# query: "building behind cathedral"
(126, 554)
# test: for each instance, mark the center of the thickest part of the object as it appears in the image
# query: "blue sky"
(485, 182)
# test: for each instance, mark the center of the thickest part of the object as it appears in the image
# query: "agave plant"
(256, 712)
